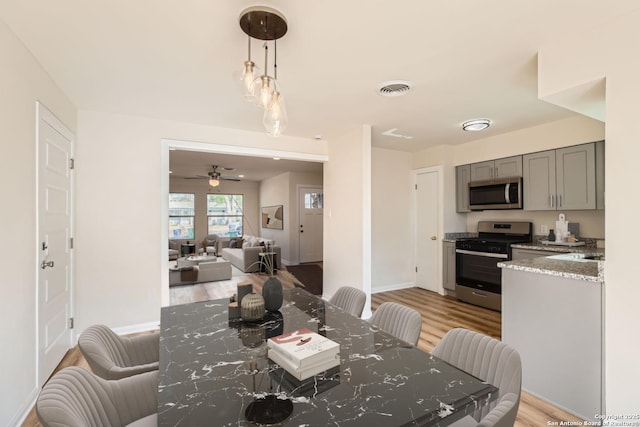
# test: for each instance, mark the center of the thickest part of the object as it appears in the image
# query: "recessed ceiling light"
(276, 158)
(170, 171)
(317, 137)
(240, 176)
(475, 125)
(172, 149)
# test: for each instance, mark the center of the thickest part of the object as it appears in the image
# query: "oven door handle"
(487, 254)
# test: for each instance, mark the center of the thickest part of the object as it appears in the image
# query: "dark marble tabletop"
(211, 370)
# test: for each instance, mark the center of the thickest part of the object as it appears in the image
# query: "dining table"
(215, 371)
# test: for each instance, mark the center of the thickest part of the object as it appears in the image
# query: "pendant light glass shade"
(248, 77)
(275, 117)
(214, 182)
(262, 89)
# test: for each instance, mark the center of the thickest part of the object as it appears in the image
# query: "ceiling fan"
(215, 177)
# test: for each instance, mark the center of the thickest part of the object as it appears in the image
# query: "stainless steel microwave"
(502, 193)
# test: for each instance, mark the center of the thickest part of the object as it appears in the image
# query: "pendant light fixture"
(268, 24)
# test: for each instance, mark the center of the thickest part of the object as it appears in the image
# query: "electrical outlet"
(544, 229)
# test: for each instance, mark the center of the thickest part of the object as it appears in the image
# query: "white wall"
(275, 191)
(607, 52)
(347, 213)
(200, 187)
(392, 239)
(120, 224)
(22, 83)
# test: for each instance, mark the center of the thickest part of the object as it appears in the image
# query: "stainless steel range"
(478, 278)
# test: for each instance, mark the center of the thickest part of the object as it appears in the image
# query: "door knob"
(46, 264)
(433, 237)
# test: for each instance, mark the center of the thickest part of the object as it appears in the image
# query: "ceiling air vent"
(394, 88)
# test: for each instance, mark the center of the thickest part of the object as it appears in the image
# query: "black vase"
(272, 294)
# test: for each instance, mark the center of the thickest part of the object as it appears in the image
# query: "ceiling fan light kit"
(268, 24)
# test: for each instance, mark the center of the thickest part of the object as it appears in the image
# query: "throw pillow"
(246, 245)
(239, 242)
(233, 243)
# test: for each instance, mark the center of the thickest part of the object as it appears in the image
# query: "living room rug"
(310, 275)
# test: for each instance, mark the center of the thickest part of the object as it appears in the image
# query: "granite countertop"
(579, 269)
(557, 248)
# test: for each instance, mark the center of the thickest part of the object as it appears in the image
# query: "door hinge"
(416, 269)
(71, 323)
(72, 163)
(416, 186)
(71, 243)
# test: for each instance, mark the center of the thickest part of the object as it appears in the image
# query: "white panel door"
(55, 144)
(310, 208)
(427, 224)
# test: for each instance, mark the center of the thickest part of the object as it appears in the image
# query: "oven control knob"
(466, 246)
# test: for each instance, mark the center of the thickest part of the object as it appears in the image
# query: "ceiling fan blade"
(196, 177)
(230, 178)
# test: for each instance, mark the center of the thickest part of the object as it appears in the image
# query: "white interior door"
(427, 226)
(55, 147)
(310, 208)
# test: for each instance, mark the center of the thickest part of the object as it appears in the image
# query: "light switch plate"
(544, 229)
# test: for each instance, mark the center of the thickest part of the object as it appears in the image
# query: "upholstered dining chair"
(349, 299)
(75, 397)
(492, 361)
(398, 320)
(112, 357)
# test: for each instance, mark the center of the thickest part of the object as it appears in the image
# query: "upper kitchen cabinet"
(463, 176)
(500, 168)
(560, 179)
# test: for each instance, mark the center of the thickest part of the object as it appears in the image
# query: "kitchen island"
(552, 313)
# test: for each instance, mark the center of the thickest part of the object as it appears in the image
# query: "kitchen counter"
(568, 266)
(537, 246)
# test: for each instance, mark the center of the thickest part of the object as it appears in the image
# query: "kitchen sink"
(580, 257)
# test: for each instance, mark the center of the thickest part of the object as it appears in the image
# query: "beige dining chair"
(349, 299)
(492, 361)
(401, 321)
(75, 397)
(111, 356)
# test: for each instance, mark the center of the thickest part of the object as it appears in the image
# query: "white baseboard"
(24, 410)
(140, 327)
(394, 287)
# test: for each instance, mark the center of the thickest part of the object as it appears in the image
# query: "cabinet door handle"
(560, 200)
(551, 200)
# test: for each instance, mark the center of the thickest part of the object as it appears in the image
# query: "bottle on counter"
(552, 236)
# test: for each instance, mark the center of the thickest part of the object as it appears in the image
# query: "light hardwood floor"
(439, 314)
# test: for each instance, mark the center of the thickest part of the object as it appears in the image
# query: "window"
(182, 212)
(224, 214)
(313, 201)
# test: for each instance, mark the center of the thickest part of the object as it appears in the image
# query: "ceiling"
(184, 164)
(182, 61)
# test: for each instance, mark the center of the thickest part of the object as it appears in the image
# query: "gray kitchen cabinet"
(500, 168)
(600, 175)
(576, 177)
(556, 324)
(463, 176)
(520, 254)
(449, 266)
(562, 179)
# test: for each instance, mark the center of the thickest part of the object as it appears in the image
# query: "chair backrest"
(103, 349)
(349, 299)
(398, 320)
(490, 360)
(112, 357)
(74, 397)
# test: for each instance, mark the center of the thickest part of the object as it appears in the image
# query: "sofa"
(244, 253)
